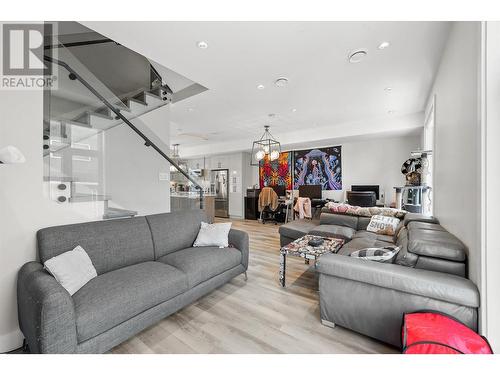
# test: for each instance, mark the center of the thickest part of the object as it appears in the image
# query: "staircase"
(80, 113)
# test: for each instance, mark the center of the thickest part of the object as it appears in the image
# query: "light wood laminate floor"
(254, 316)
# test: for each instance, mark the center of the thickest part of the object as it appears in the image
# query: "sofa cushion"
(374, 236)
(174, 231)
(339, 219)
(410, 216)
(442, 265)
(437, 244)
(404, 258)
(363, 222)
(336, 231)
(297, 228)
(424, 225)
(202, 263)
(360, 243)
(119, 295)
(110, 244)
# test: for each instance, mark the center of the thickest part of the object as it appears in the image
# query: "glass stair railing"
(89, 131)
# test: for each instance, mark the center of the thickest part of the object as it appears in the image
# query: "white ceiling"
(328, 92)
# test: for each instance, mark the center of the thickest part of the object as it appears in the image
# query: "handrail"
(117, 112)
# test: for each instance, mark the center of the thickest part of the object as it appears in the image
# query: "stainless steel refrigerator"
(220, 187)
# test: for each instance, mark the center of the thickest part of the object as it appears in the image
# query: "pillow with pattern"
(378, 254)
(383, 225)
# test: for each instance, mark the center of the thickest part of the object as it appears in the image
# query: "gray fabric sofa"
(147, 269)
(428, 273)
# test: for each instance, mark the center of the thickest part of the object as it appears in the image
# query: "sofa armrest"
(239, 240)
(436, 285)
(46, 311)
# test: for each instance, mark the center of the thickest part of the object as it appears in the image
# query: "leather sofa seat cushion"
(436, 244)
(339, 219)
(436, 285)
(374, 236)
(409, 217)
(335, 231)
(422, 225)
(442, 265)
(202, 263)
(116, 296)
(297, 228)
(361, 243)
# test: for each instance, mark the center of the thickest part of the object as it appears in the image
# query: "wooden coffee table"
(301, 248)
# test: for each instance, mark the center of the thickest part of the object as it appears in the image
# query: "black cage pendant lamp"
(266, 146)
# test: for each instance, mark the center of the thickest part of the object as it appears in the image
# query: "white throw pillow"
(213, 235)
(383, 225)
(72, 269)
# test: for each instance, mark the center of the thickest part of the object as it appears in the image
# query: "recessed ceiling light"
(391, 112)
(294, 109)
(201, 44)
(261, 87)
(384, 45)
(190, 109)
(388, 89)
(357, 56)
(281, 82)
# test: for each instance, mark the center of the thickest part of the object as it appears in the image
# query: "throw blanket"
(268, 197)
(303, 207)
(342, 208)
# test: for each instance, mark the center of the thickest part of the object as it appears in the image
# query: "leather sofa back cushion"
(409, 217)
(436, 244)
(339, 219)
(110, 244)
(363, 223)
(174, 231)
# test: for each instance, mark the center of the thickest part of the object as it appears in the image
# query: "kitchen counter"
(181, 201)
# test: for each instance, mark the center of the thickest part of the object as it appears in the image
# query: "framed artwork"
(319, 166)
(277, 172)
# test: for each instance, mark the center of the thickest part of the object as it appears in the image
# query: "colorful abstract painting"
(277, 172)
(318, 167)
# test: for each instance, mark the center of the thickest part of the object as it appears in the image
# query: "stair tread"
(136, 101)
(89, 198)
(155, 96)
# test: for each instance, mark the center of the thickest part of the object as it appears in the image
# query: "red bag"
(436, 333)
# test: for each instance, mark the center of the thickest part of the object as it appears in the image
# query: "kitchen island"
(180, 201)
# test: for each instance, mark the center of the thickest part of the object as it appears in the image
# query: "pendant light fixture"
(266, 146)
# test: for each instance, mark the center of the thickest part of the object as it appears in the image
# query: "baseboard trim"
(11, 341)
(328, 323)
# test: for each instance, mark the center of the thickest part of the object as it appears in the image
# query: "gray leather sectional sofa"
(147, 269)
(428, 273)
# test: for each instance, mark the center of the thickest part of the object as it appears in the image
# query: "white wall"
(491, 179)
(457, 140)
(24, 207)
(132, 170)
(375, 161)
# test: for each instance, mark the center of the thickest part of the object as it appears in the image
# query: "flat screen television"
(374, 188)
